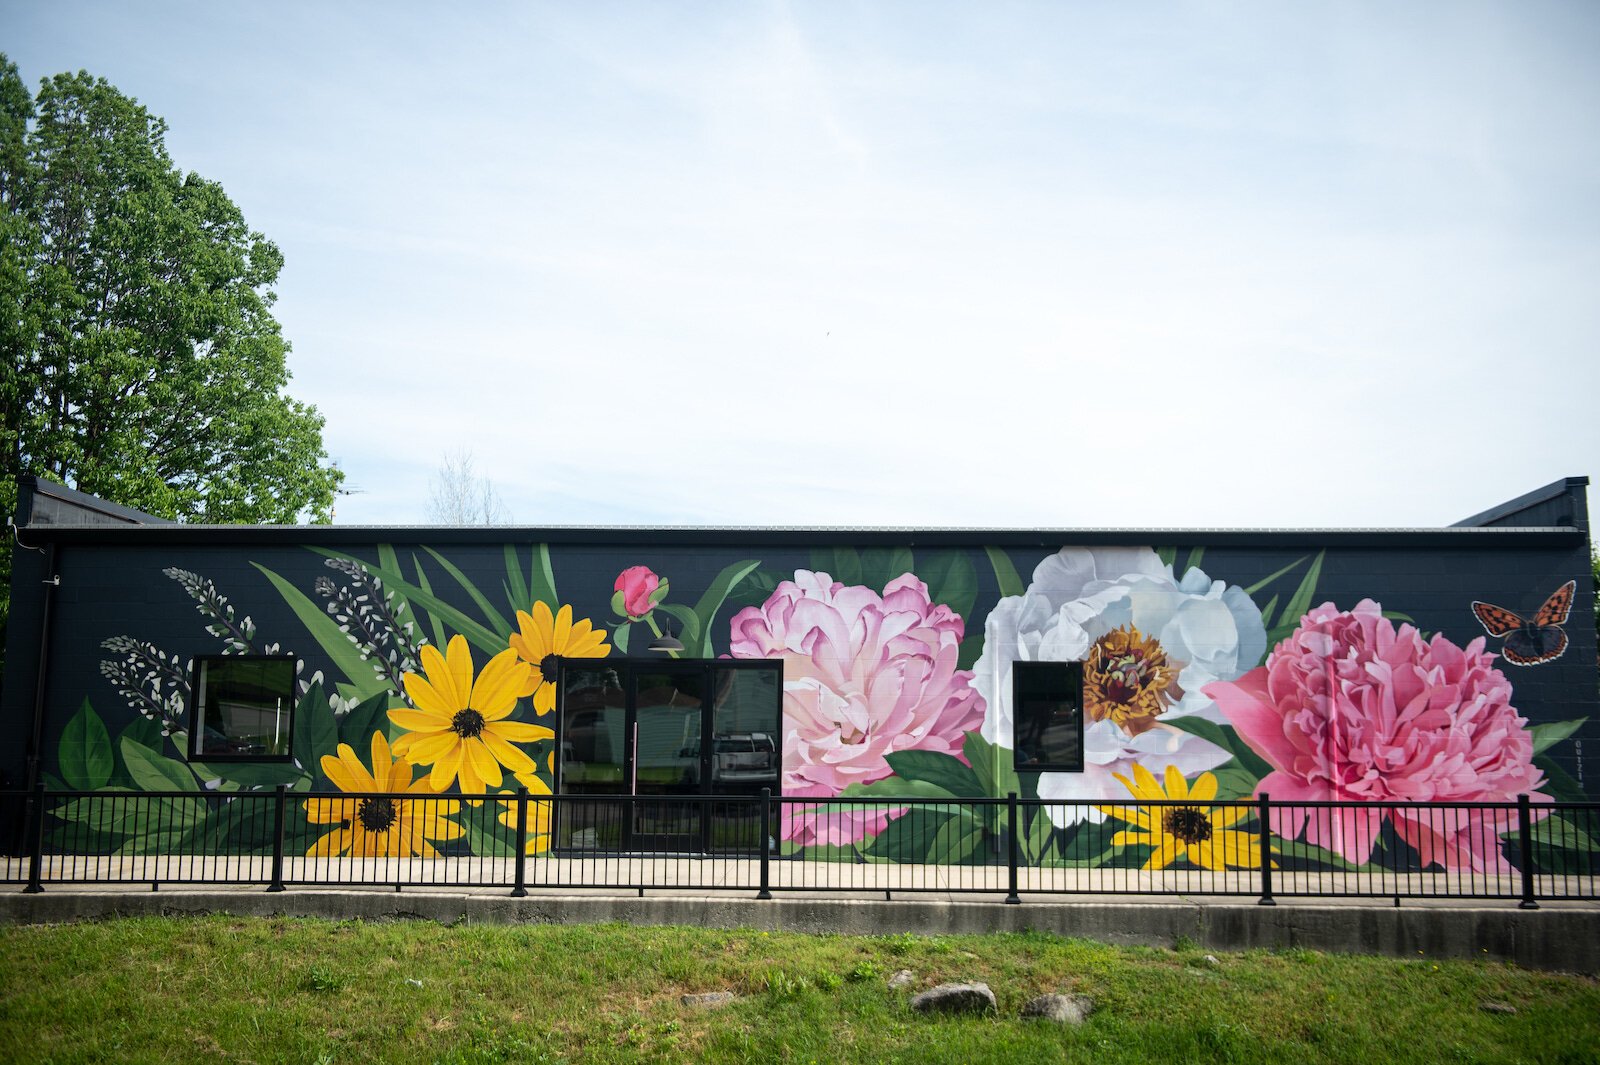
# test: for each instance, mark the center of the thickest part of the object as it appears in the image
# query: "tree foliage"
(135, 303)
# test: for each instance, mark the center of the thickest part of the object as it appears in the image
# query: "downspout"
(37, 739)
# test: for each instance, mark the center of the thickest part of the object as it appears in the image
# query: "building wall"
(915, 641)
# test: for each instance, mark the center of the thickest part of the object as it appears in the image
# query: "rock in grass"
(902, 978)
(956, 998)
(1497, 1007)
(708, 1000)
(1063, 1009)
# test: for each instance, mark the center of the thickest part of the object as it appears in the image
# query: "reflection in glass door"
(668, 711)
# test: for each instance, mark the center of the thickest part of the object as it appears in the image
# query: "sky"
(908, 264)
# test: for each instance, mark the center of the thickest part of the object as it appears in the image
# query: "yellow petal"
(484, 767)
(502, 752)
(431, 699)
(427, 749)
(519, 731)
(437, 670)
(1164, 855)
(1177, 787)
(495, 694)
(329, 811)
(419, 720)
(1205, 788)
(544, 700)
(335, 842)
(558, 641)
(458, 660)
(446, 768)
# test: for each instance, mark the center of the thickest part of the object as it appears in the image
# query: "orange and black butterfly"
(1530, 643)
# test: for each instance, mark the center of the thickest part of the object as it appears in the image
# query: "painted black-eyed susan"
(545, 637)
(1202, 834)
(380, 826)
(460, 726)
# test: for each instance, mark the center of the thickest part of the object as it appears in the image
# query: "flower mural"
(542, 638)
(459, 726)
(539, 814)
(638, 590)
(1203, 835)
(1150, 643)
(1350, 708)
(866, 674)
(376, 826)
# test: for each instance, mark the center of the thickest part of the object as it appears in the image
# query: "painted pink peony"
(864, 675)
(1349, 709)
(637, 584)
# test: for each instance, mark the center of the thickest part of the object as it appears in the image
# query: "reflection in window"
(242, 708)
(1047, 715)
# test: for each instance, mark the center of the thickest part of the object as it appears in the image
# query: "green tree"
(135, 304)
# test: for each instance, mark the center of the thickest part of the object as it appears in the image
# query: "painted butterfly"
(1530, 643)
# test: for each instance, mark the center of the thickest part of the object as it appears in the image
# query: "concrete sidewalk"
(1558, 935)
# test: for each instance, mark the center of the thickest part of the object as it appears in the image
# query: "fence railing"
(769, 844)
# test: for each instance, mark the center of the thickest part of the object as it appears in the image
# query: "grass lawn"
(305, 991)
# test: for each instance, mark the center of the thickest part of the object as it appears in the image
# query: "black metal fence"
(983, 846)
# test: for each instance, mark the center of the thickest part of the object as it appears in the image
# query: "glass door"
(675, 753)
(669, 757)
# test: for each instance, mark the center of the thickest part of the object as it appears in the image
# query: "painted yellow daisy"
(1201, 834)
(383, 826)
(538, 814)
(459, 726)
(546, 637)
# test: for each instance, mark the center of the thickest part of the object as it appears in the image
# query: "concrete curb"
(1558, 936)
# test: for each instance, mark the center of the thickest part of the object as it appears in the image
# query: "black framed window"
(1047, 716)
(241, 708)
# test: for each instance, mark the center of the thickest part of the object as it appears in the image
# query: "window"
(241, 708)
(1047, 715)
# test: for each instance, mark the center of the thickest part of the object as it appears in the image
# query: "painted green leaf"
(476, 633)
(1561, 833)
(971, 650)
(945, 770)
(485, 834)
(619, 636)
(891, 787)
(1544, 736)
(880, 565)
(102, 812)
(954, 842)
(1298, 604)
(362, 720)
(516, 584)
(1193, 562)
(541, 578)
(434, 626)
(1558, 783)
(1040, 836)
(1005, 574)
(86, 756)
(715, 595)
(907, 838)
(333, 641)
(992, 765)
(316, 732)
(1284, 851)
(1168, 556)
(495, 619)
(755, 589)
(1263, 582)
(952, 580)
(1227, 738)
(1234, 781)
(152, 772)
(688, 625)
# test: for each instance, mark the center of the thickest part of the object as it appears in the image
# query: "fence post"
(1525, 839)
(280, 796)
(520, 888)
(1264, 828)
(36, 855)
(766, 835)
(1012, 899)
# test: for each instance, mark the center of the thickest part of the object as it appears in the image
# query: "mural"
(415, 677)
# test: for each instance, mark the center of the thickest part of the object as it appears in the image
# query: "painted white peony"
(1206, 630)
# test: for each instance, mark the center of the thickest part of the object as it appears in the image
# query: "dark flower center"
(549, 666)
(1188, 824)
(376, 815)
(467, 723)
